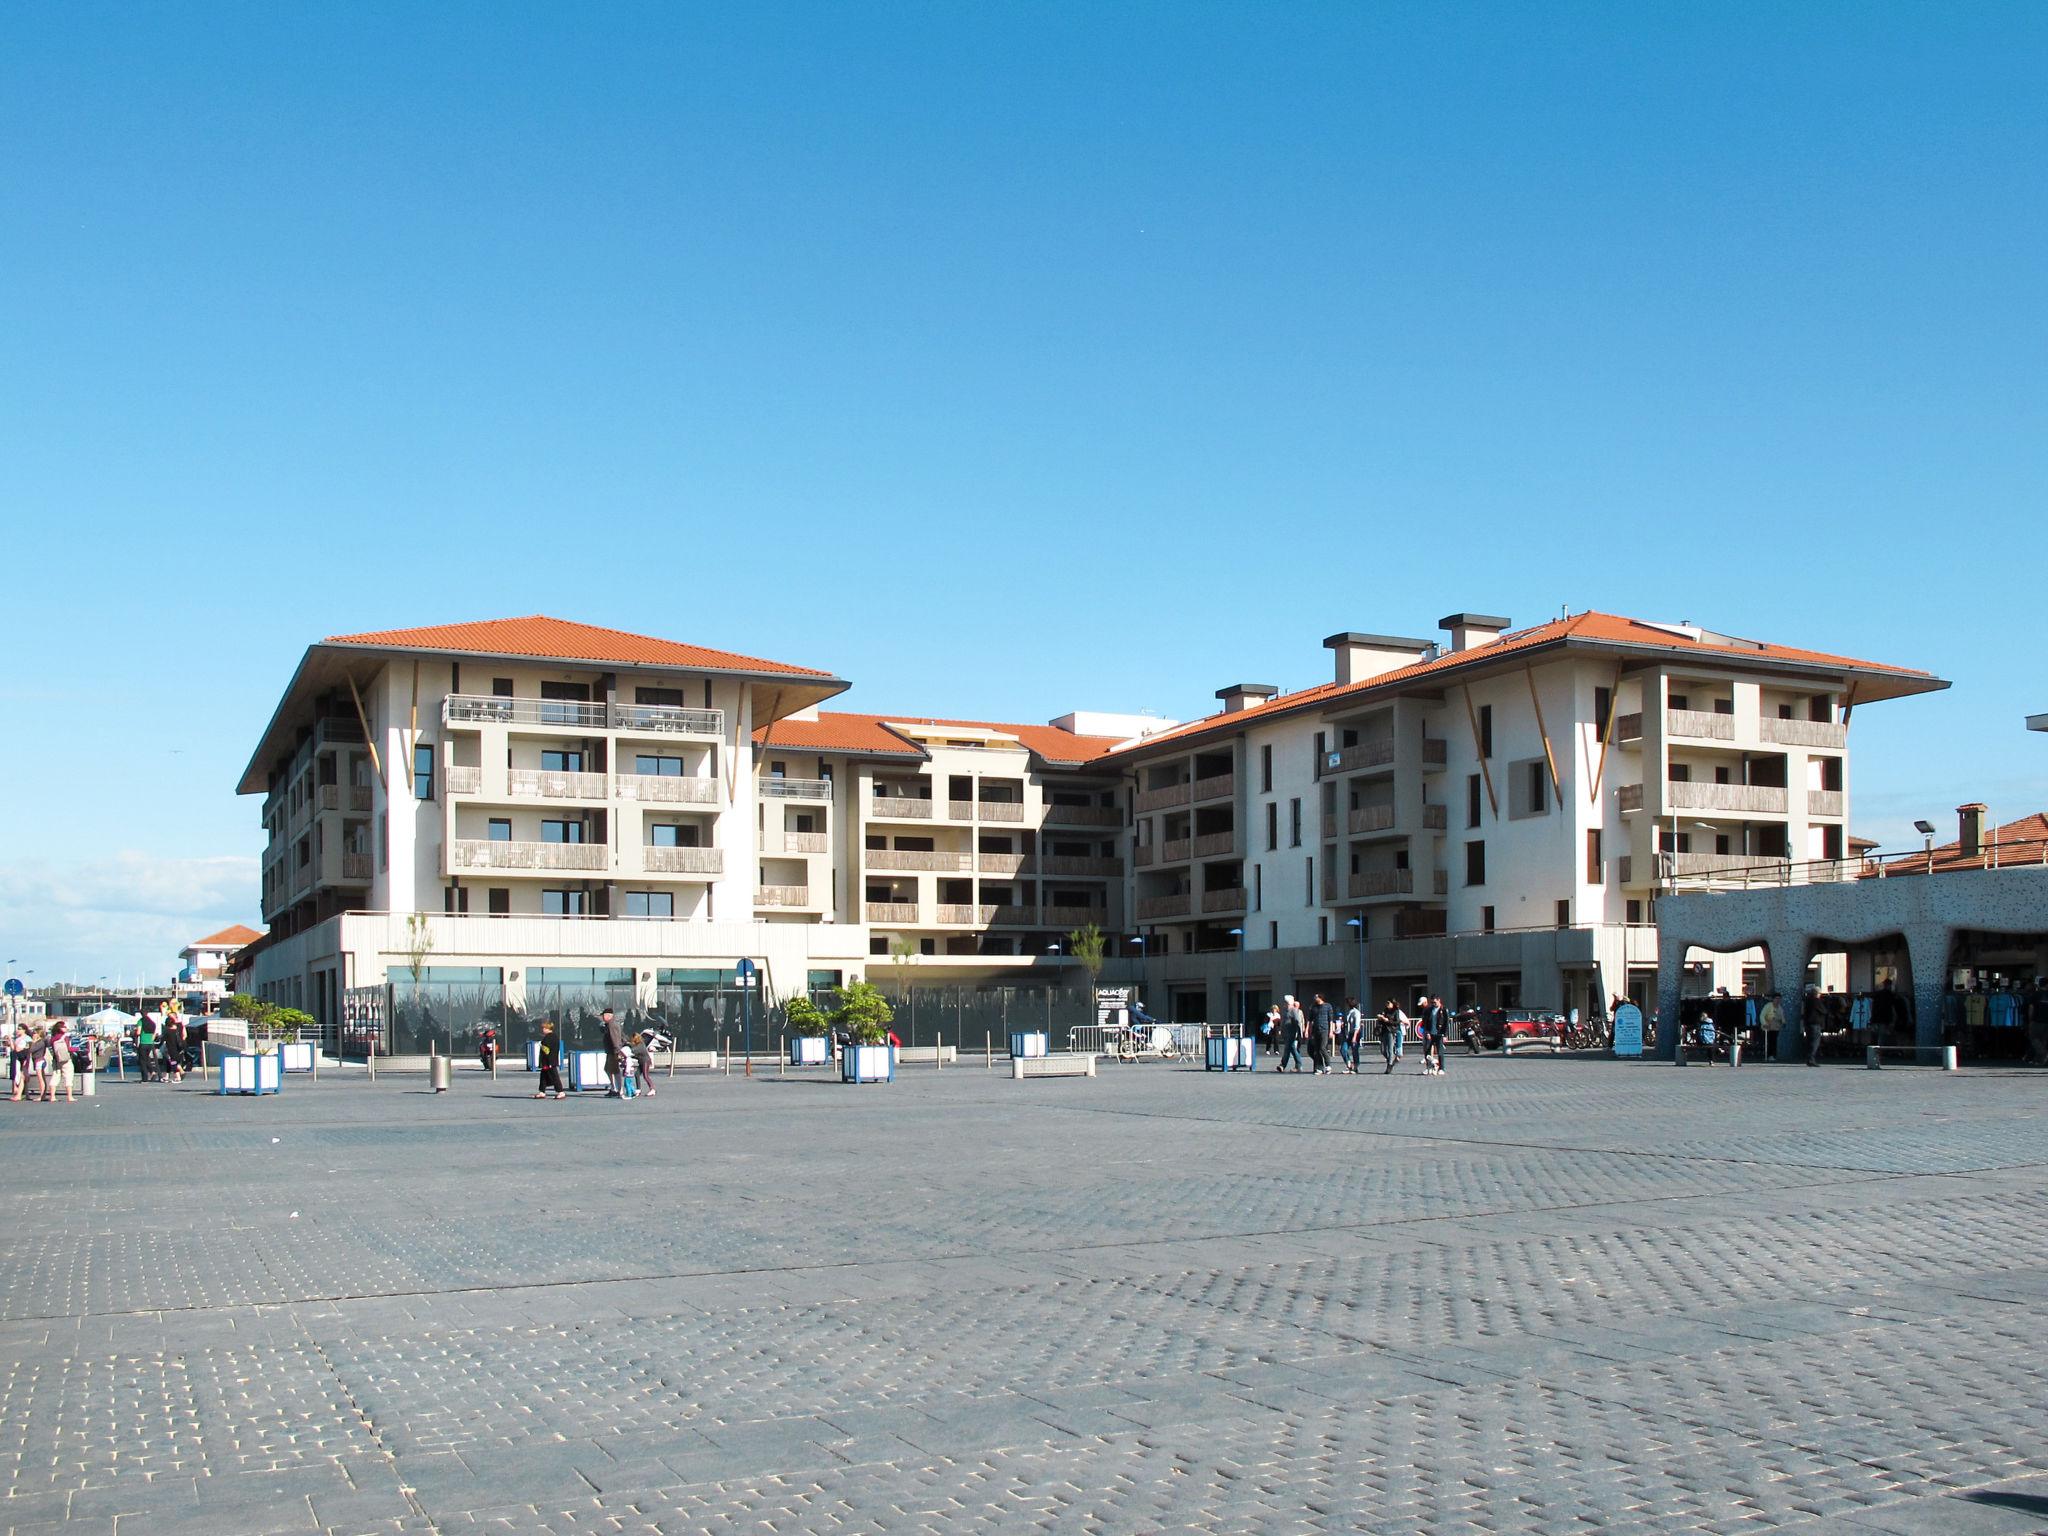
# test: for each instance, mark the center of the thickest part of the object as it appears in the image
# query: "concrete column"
(1927, 952)
(1671, 950)
(1790, 951)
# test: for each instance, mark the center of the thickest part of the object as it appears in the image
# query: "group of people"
(1328, 1038)
(623, 1058)
(40, 1061)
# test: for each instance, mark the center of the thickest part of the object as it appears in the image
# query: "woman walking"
(550, 1061)
(174, 1047)
(18, 1053)
(60, 1064)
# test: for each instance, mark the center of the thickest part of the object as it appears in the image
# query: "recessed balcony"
(682, 861)
(667, 789)
(478, 853)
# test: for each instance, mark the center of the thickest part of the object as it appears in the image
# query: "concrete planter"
(809, 1050)
(867, 1064)
(1026, 1043)
(1230, 1053)
(251, 1072)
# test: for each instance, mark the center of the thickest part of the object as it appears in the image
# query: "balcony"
(1825, 802)
(1075, 917)
(904, 858)
(1803, 733)
(667, 789)
(581, 715)
(359, 797)
(1162, 798)
(1001, 863)
(1699, 725)
(1380, 882)
(782, 895)
(544, 784)
(1179, 904)
(1075, 864)
(464, 781)
(355, 868)
(898, 808)
(953, 912)
(1625, 869)
(793, 789)
(1145, 855)
(474, 853)
(892, 911)
(682, 861)
(1712, 864)
(1213, 845)
(1367, 754)
(328, 797)
(1228, 899)
(1083, 816)
(1176, 850)
(1436, 752)
(806, 842)
(1764, 799)
(1216, 786)
(1000, 810)
(1628, 727)
(1011, 916)
(1370, 818)
(1435, 818)
(1629, 797)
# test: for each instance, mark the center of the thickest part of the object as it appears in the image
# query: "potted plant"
(865, 1015)
(808, 1026)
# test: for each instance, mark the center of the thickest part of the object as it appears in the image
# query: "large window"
(1294, 823)
(423, 771)
(1472, 800)
(650, 904)
(565, 903)
(553, 760)
(658, 766)
(1486, 730)
(501, 829)
(561, 831)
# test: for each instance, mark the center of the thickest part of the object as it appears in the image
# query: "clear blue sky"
(1001, 358)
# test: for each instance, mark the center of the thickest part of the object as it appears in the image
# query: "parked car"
(1517, 1029)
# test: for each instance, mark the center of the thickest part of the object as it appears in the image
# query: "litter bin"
(440, 1072)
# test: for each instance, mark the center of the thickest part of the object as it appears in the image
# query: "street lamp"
(1051, 949)
(1244, 1001)
(1358, 922)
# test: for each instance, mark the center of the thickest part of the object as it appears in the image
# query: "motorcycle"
(487, 1047)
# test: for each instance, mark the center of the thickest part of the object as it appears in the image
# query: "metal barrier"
(1101, 1039)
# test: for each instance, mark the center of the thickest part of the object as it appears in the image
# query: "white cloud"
(126, 915)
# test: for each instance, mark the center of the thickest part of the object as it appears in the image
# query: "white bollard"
(1870, 1057)
(1948, 1058)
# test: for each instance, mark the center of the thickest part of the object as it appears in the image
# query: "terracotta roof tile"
(552, 639)
(1595, 628)
(232, 937)
(2017, 842)
(837, 732)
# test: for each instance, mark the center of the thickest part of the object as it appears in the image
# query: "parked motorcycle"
(487, 1047)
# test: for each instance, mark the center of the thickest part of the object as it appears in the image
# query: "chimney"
(1365, 656)
(1243, 695)
(1471, 629)
(1971, 818)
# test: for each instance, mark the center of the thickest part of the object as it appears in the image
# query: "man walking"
(1815, 1030)
(1290, 1034)
(1322, 1021)
(1437, 1026)
(614, 1056)
(1393, 1027)
(1354, 1033)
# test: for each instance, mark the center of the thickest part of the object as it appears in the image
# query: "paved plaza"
(1533, 1296)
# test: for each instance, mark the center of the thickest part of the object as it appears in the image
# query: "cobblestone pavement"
(1546, 1296)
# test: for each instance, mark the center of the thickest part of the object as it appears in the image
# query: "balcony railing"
(782, 895)
(465, 781)
(899, 808)
(1370, 818)
(1216, 786)
(1716, 864)
(1629, 727)
(1228, 899)
(1010, 916)
(1001, 810)
(329, 797)
(581, 714)
(957, 912)
(474, 853)
(1699, 724)
(1145, 855)
(1176, 850)
(683, 861)
(1083, 816)
(1824, 802)
(359, 797)
(1178, 904)
(907, 858)
(1076, 864)
(1687, 795)
(1159, 799)
(1212, 845)
(1803, 733)
(1380, 882)
(1075, 917)
(892, 911)
(667, 789)
(1001, 863)
(1436, 817)
(1435, 752)
(806, 842)
(1629, 797)
(355, 867)
(1366, 754)
(548, 784)
(772, 788)
(1625, 869)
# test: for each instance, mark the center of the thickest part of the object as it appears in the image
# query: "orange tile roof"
(552, 639)
(233, 936)
(871, 734)
(2017, 842)
(1590, 627)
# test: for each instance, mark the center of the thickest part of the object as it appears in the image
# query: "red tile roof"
(233, 936)
(551, 639)
(2017, 842)
(1590, 628)
(871, 734)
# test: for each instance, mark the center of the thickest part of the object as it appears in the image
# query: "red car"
(1516, 1029)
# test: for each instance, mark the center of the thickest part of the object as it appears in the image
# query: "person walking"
(62, 1067)
(1772, 1018)
(1816, 1030)
(614, 1056)
(550, 1059)
(174, 1047)
(18, 1050)
(145, 1047)
(1322, 1027)
(1354, 1033)
(1290, 1034)
(643, 1064)
(1436, 1027)
(1269, 1030)
(1394, 1040)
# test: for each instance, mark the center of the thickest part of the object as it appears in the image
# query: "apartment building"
(203, 971)
(956, 839)
(1489, 817)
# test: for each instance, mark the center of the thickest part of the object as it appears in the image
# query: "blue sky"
(1003, 359)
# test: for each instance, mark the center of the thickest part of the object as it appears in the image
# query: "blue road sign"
(14, 987)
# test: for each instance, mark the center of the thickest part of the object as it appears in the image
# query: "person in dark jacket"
(550, 1061)
(1322, 1026)
(1290, 1035)
(614, 1055)
(174, 1047)
(643, 1064)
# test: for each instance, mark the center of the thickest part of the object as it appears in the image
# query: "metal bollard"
(1948, 1058)
(939, 1052)
(1870, 1057)
(439, 1072)
(988, 1051)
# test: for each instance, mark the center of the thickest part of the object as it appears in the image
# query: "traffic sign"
(14, 987)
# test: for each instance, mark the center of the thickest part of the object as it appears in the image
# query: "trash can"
(440, 1072)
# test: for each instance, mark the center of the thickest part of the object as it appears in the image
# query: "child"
(550, 1061)
(643, 1063)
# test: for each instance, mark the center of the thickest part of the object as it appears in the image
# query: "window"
(1664, 841)
(1309, 896)
(557, 760)
(665, 834)
(1486, 730)
(501, 687)
(500, 829)
(1258, 887)
(455, 900)
(1323, 930)
(778, 770)
(1721, 774)
(561, 831)
(1486, 919)
(500, 901)
(657, 766)
(565, 703)
(1681, 773)
(1273, 934)
(1603, 707)
(1784, 711)
(1724, 706)
(1528, 788)
(664, 698)
(565, 903)
(1593, 861)
(1266, 769)
(650, 904)
(1680, 701)
(1633, 912)
(423, 771)
(1564, 914)
(1272, 826)
(1475, 862)
(1722, 843)
(1472, 800)
(1322, 747)
(1294, 823)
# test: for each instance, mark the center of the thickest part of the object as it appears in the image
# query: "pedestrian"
(1269, 1029)
(1290, 1034)
(1436, 1028)
(550, 1057)
(1816, 1030)
(38, 1058)
(1772, 1018)
(145, 1048)
(614, 1056)
(643, 1063)
(1394, 1038)
(60, 1072)
(1322, 1028)
(174, 1047)
(18, 1050)
(1354, 1033)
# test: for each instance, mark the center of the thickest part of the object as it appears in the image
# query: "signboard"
(1110, 1003)
(1628, 1030)
(14, 987)
(745, 973)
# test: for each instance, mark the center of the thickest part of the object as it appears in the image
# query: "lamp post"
(1051, 949)
(1358, 922)
(1244, 1001)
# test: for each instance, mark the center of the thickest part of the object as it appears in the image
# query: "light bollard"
(1948, 1059)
